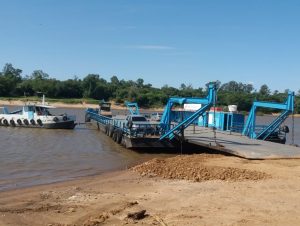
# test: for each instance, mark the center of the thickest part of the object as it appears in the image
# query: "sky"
(162, 41)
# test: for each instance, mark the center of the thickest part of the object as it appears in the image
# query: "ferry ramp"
(239, 145)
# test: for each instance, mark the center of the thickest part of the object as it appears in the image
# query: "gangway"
(169, 133)
(270, 132)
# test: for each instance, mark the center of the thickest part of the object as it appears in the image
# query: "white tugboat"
(36, 116)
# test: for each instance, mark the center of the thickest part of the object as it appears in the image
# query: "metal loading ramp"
(239, 145)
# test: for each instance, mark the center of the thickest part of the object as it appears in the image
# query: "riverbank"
(81, 105)
(58, 104)
(85, 105)
(232, 191)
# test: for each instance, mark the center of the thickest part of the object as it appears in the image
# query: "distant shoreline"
(85, 105)
(59, 104)
(55, 104)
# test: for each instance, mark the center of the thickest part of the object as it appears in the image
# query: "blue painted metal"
(226, 121)
(120, 124)
(203, 120)
(133, 108)
(250, 127)
(235, 122)
(93, 114)
(165, 123)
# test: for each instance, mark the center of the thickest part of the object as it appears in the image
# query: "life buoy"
(19, 121)
(32, 121)
(55, 119)
(26, 122)
(39, 121)
(5, 122)
(65, 118)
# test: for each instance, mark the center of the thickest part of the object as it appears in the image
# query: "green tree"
(89, 84)
(9, 79)
(264, 90)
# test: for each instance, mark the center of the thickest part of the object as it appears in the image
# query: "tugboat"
(36, 116)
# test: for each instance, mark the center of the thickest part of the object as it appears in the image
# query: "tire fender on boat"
(26, 122)
(19, 121)
(65, 118)
(55, 119)
(106, 129)
(39, 121)
(32, 121)
(111, 130)
(119, 136)
(5, 122)
(114, 136)
(87, 118)
(12, 123)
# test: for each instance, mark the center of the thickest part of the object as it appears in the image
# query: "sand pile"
(193, 167)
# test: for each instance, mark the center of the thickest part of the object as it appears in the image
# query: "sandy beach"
(56, 104)
(74, 106)
(230, 191)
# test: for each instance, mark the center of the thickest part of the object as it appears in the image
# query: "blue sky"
(162, 41)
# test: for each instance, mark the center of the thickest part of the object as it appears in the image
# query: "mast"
(43, 99)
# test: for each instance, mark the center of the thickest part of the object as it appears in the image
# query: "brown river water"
(39, 156)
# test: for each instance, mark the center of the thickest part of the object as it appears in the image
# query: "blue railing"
(137, 129)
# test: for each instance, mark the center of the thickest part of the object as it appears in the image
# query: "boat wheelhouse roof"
(40, 105)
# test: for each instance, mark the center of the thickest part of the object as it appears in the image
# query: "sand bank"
(75, 106)
(271, 196)
(55, 104)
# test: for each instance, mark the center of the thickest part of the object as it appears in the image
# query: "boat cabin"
(105, 109)
(39, 110)
(4, 110)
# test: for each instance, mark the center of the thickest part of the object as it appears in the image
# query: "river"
(38, 156)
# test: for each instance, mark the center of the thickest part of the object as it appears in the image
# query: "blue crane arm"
(185, 123)
(270, 105)
(287, 107)
(189, 100)
(165, 123)
(273, 126)
(133, 108)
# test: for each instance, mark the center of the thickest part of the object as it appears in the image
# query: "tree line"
(14, 84)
